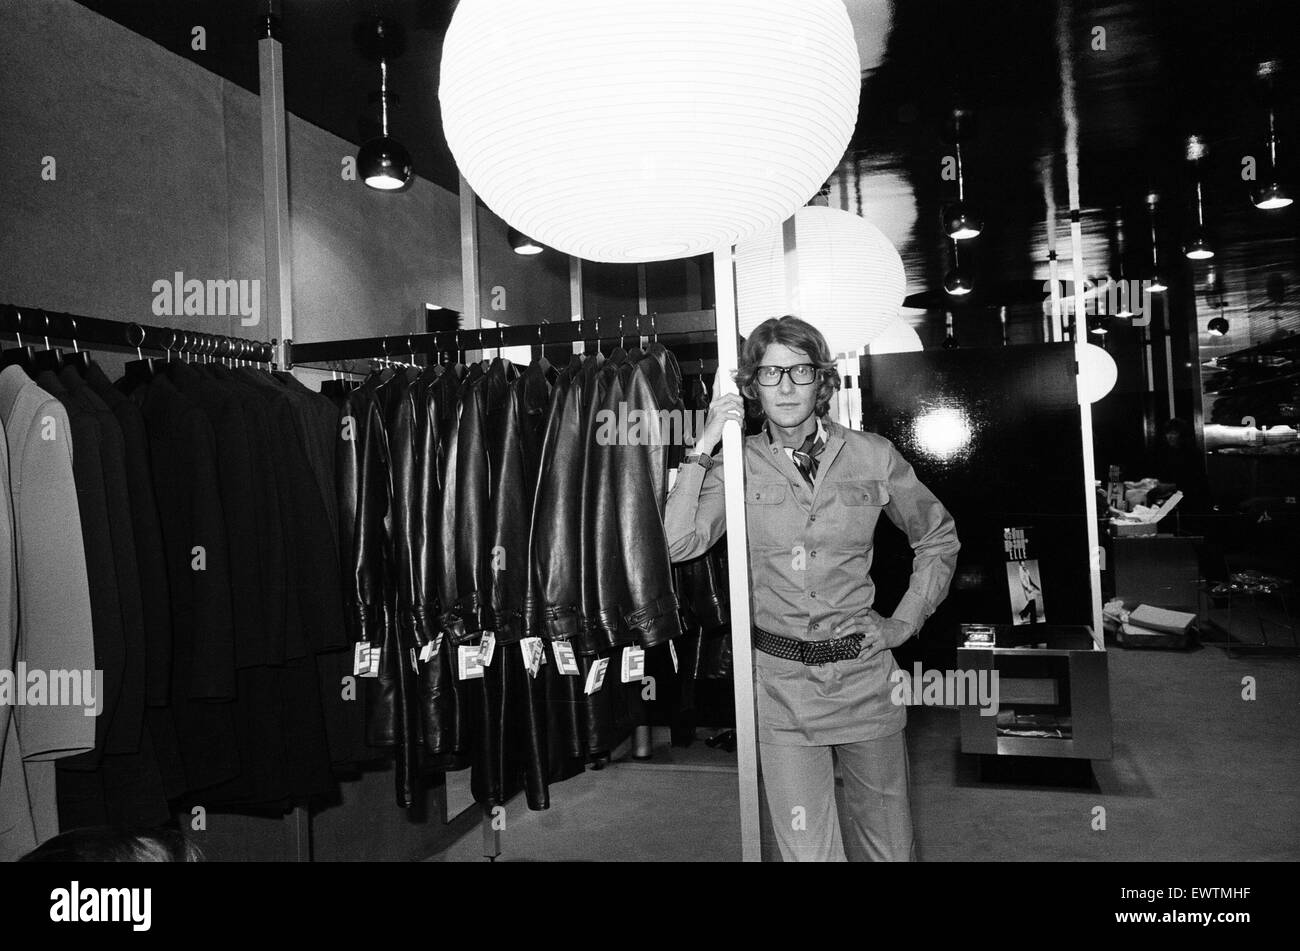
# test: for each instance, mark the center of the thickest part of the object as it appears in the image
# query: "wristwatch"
(701, 458)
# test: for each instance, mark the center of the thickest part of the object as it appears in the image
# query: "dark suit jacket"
(101, 562)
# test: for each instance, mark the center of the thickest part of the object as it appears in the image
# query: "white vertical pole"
(472, 308)
(275, 193)
(575, 295)
(737, 561)
(1085, 430)
(279, 260)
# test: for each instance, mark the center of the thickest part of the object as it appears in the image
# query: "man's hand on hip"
(878, 633)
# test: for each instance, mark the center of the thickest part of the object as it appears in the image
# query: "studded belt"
(808, 652)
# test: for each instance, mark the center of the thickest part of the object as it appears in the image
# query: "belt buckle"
(808, 653)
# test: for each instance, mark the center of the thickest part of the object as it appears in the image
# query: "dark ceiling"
(1169, 68)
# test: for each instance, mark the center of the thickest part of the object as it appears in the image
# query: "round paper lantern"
(645, 130)
(850, 277)
(1097, 372)
(897, 337)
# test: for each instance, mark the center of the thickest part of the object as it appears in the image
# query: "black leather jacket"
(649, 610)
(362, 469)
(553, 543)
(398, 669)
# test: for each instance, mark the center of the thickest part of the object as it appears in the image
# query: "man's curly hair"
(797, 335)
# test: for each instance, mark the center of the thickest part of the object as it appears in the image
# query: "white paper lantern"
(850, 280)
(1097, 372)
(897, 337)
(646, 130)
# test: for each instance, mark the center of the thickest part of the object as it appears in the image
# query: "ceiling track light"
(522, 244)
(384, 163)
(1199, 248)
(1156, 281)
(959, 222)
(1268, 193)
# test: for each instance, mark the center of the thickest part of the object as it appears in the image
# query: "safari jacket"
(810, 552)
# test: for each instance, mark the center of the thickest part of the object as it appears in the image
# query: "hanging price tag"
(564, 658)
(487, 647)
(365, 659)
(672, 649)
(533, 654)
(596, 676)
(430, 650)
(672, 478)
(633, 664)
(469, 665)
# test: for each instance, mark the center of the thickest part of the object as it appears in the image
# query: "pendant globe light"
(897, 337)
(1097, 372)
(384, 163)
(849, 277)
(647, 130)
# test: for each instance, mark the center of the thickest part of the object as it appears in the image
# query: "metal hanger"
(80, 359)
(22, 354)
(51, 358)
(142, 368)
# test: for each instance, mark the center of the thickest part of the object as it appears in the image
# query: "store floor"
(1198, 773)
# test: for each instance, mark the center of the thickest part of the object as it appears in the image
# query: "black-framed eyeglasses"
(801, 374)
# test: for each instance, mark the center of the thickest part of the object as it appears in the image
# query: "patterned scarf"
(805, 457)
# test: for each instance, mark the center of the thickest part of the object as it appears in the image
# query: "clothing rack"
(124, 336)
(30, 324)
(693, 335)
(691, 328)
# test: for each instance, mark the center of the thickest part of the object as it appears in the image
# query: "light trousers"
(876, 822)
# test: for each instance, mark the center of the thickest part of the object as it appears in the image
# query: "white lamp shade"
(849, 277)
(646, 130)
(897, 337)
(1097, 372)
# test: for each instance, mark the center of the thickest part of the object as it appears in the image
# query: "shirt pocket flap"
(770, 494)
(867, 492)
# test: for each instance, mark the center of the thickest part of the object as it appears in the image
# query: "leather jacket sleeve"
(601, 571)
(472, 508)
(448, 587)
(363, 503)
(555, 568)
(649, 612)
(512, 499)
(396, 708)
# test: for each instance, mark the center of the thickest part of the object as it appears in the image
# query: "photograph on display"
(1024, 580)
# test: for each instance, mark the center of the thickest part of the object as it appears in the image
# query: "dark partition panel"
(995, 434)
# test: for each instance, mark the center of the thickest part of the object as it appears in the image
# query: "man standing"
(814, 492)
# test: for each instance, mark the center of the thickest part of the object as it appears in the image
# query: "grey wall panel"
(137, 136)
(365, 262)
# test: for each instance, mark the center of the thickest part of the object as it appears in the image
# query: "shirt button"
(816, 627)
(812, 594)
(812, 518)
(812, 554)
